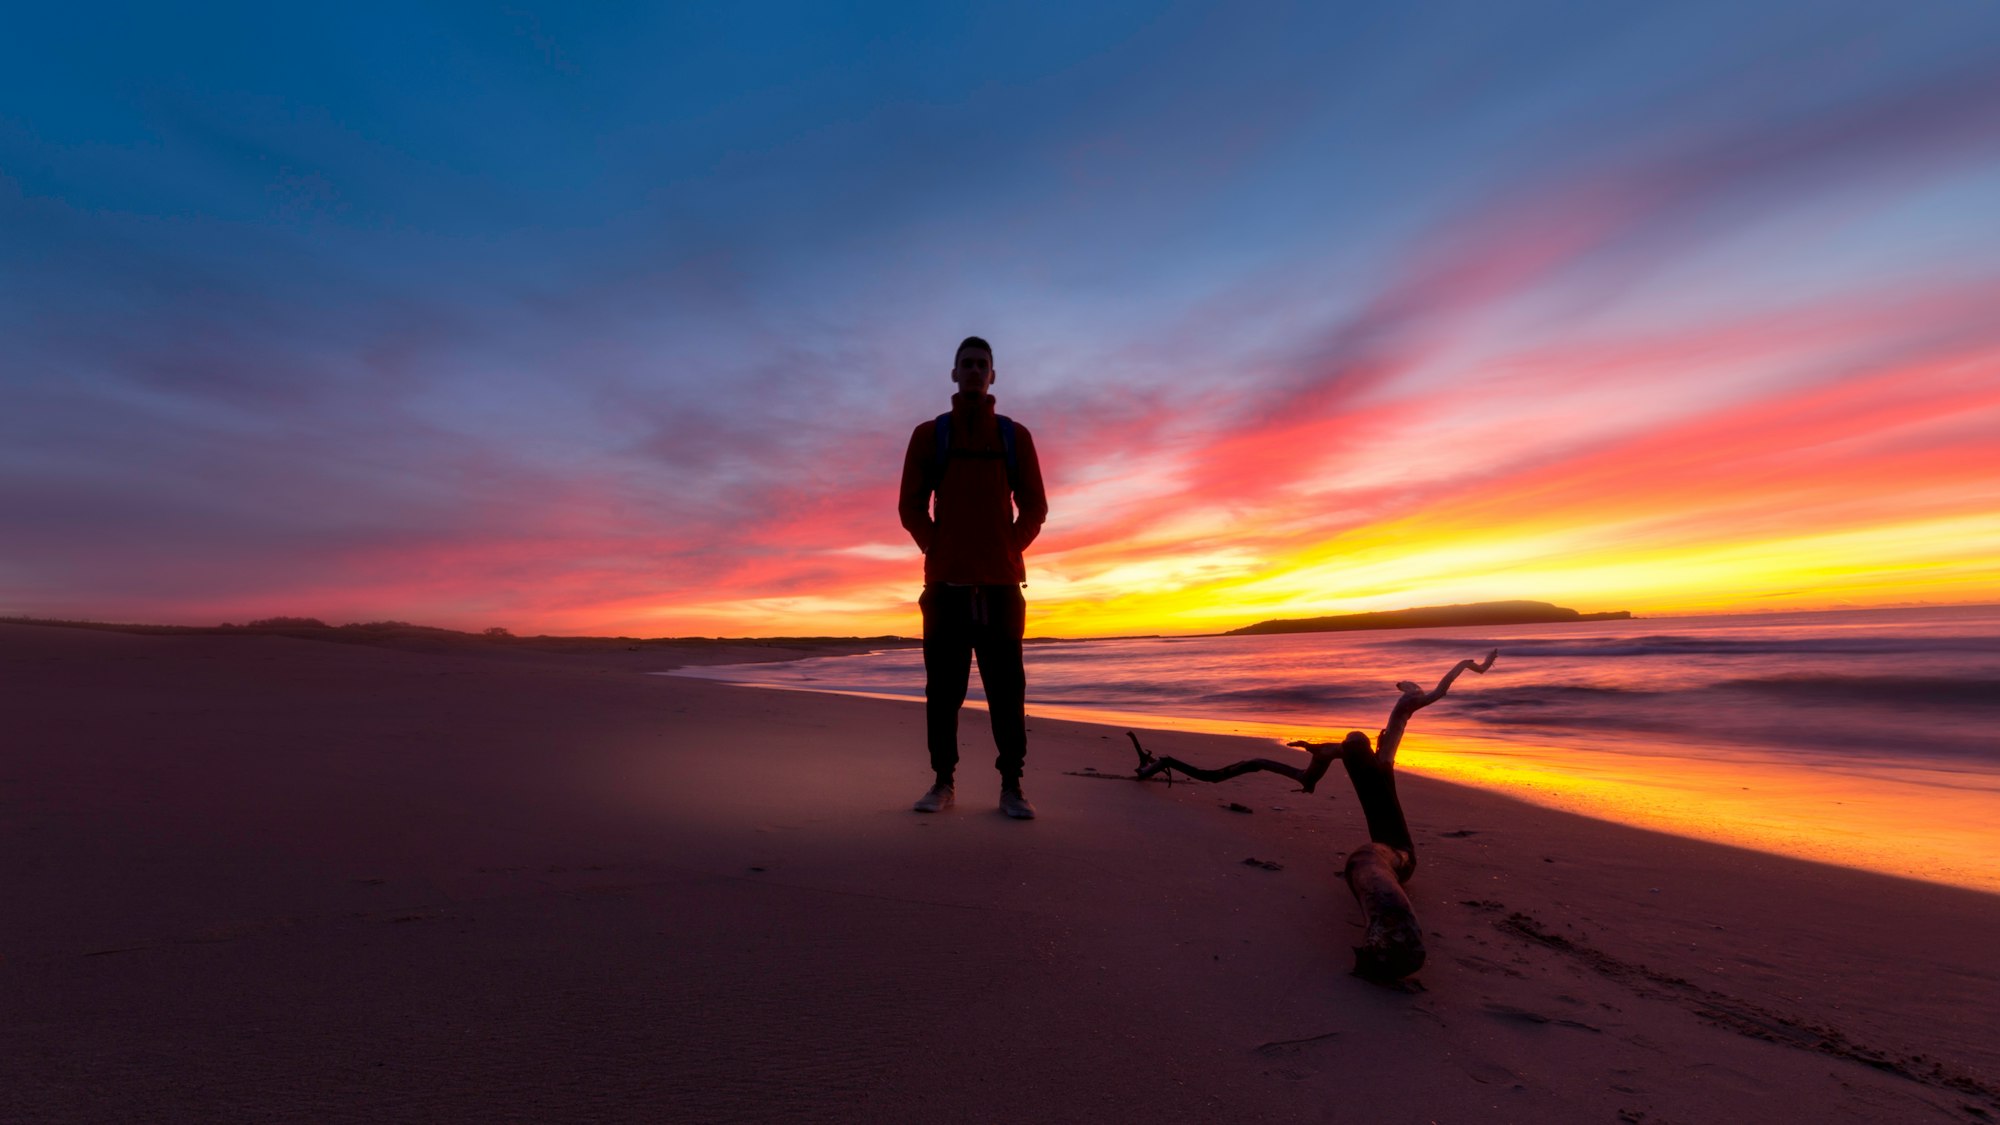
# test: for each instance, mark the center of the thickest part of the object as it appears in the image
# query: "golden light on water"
(1916, 823)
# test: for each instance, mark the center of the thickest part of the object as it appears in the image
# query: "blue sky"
(598, 317)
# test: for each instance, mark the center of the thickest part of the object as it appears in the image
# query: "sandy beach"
(253, 878)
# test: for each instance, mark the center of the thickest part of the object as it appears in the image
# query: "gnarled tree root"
(1392, 946)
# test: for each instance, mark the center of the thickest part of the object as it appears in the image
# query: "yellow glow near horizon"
(1638, 565)
(1950, 560)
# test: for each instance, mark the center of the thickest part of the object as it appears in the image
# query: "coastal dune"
(264, 878)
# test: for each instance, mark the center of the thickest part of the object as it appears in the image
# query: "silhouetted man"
(981, 467)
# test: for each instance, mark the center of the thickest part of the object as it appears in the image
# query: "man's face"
(974, 371)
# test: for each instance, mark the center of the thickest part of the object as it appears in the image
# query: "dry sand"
(262, 879)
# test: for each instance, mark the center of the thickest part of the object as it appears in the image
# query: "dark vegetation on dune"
(381, 632)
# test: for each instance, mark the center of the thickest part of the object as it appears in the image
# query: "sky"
(614, 319)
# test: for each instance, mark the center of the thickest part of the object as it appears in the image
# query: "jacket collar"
(972, 407)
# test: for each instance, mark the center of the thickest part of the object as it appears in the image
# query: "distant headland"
(1432, 617)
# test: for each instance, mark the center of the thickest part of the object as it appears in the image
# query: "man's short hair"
(973, 342)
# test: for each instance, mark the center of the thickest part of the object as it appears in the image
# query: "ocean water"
(1869, 737)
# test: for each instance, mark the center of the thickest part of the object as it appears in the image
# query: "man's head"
(972, 367)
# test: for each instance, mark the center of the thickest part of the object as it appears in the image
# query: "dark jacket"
(974, 536)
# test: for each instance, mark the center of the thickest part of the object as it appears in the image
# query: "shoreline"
(1897, 820)
(267, 878)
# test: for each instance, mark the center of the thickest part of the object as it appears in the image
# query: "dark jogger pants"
(960, 621)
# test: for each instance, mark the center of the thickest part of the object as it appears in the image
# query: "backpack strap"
(1007, 449)
(942, 453)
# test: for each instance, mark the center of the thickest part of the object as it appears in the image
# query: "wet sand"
(257, 878)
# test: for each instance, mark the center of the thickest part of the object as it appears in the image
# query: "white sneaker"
(938, 799)
(1015, 805)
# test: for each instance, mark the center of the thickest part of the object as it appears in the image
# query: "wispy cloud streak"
(557, 321)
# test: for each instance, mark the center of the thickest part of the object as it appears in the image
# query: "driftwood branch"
(1415, 699)
(1307, 777)
(1393, 944)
